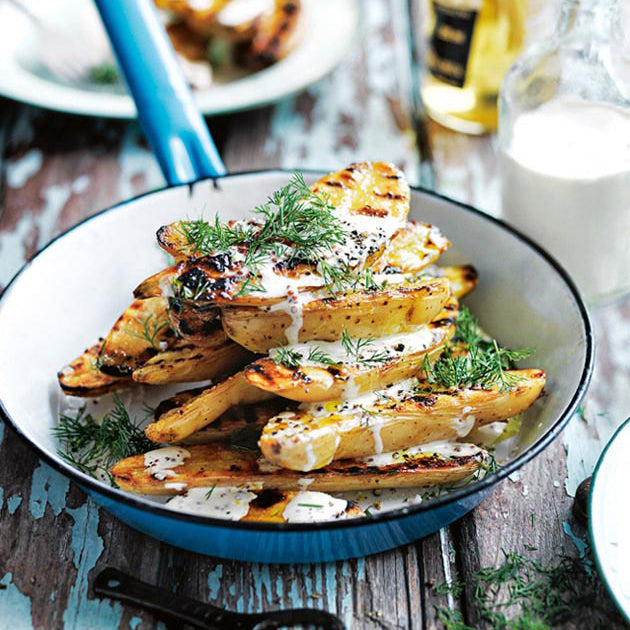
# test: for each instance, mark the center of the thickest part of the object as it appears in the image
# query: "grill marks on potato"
(218, 464)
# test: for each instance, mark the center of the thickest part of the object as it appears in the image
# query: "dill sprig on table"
(548, 596)
(93, 446)
(471, 360)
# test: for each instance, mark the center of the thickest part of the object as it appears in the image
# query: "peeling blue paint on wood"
(48, 487)
(214, 581)
(15, 603)
(13, 503)
(87, 547)
(134, 622)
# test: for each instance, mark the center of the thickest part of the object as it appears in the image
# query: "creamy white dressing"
(360, 403)
(378, 440)
(443, 448)
(308, 507)
(390, 347)
(160, 461)
(228, 503)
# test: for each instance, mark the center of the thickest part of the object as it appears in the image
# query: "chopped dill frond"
(355, 349)
(93, 446)
(472, 361)
(152, 326)
(287, 357)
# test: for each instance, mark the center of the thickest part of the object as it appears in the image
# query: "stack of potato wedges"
(310, 386)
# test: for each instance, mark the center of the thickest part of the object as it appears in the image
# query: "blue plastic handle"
(175, 129)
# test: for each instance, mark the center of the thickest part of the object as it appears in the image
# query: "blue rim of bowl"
(625, 610)
(479, 486)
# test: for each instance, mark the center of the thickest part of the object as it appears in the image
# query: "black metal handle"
(118, 585)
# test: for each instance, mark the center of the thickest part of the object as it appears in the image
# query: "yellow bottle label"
(449, 45)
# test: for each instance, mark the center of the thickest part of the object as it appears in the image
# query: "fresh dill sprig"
(209, 493)
(92, 446)
(104, 74)
(337, 279)
(471, 361)
(152, 326)
(287, 357)
(548, 596)
(317, 355)
(355, 348)
(189, 291)
(284, 355)
(292, 215)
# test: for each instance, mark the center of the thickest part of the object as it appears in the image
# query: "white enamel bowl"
(73, 291)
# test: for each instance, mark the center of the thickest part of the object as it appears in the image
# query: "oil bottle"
(469, 48)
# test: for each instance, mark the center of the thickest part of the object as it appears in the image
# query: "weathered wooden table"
(57, 169)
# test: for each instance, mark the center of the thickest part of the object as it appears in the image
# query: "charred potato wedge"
(368, 314)
(241, 426)
(83, 378)
(300, 440)
(376, 192)
(413, 248)
(195, 322)
(306, 383)
(178, 423)
(219, 465)
(463, 279)
(186, 362)
(140, 333)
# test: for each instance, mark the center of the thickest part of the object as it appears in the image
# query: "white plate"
(609, 510)
(329, 27)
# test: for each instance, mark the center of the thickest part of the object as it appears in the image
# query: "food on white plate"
(221, 40)
(371, 376)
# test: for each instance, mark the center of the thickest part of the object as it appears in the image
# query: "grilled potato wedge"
(141, 332)
(241, 426)
(356, 374)
(263, 505)
(413, 248)
(187, 362)
(195, 322)
(178, 423)
(217, 464)
(363, 314)
(462, 278)
(305, 439)
(376, 192)
(83, 378)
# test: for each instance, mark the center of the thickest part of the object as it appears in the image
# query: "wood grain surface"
(57, 169)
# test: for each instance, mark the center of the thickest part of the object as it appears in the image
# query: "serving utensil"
(118, 585)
